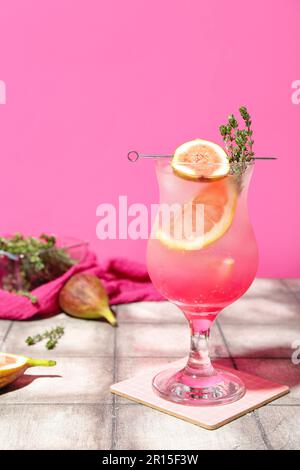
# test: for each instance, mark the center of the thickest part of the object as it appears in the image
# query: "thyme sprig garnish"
(52, 337)
(238, 142)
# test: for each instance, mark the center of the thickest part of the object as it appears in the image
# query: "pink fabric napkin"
(125, 281)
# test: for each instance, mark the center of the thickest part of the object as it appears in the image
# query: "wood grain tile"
(72, 380)
(25, 427)
(162, 340)
(74, 411)
(266, 287)
(154, 430)
(294, 286)
(82, 338)
(281, 424)
(261, 341)
(149, 312)
(262, 311)
(4, 325)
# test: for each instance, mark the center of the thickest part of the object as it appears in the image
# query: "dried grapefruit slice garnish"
(218, 200)
(200, 159)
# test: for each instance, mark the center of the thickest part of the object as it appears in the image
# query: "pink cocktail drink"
(202, 280)
(208, 279)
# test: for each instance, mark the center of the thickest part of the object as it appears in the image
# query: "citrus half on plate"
(218, 200)
(200, 159)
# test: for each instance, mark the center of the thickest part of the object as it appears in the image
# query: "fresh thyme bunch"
(28, 262)
(238, 142)
(52, 337)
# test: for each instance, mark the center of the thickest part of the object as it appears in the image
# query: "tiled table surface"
(70, 406)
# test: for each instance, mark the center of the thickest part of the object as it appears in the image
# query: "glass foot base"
(218, 389)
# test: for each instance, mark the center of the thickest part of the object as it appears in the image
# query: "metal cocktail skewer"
(133, 156)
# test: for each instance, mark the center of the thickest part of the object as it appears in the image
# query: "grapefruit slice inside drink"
(200, 159)
(217, 201)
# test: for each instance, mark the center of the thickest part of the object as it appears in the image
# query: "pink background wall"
(87, 80)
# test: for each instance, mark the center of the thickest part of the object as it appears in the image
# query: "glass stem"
(199, 363)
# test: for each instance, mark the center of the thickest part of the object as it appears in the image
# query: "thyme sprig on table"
(238, 142)
(52, 337)
(28, 262)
